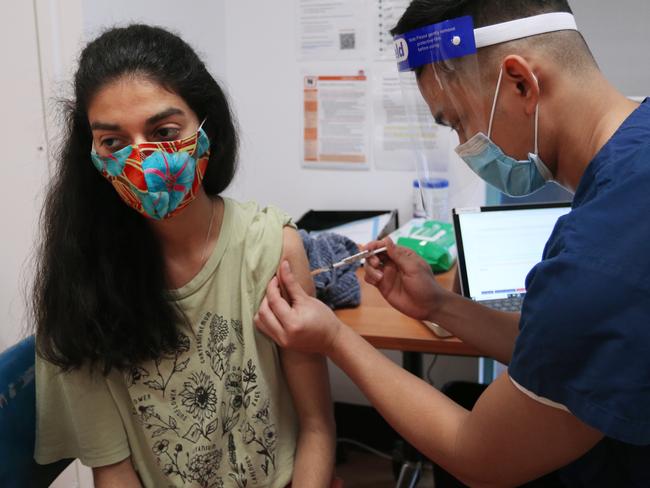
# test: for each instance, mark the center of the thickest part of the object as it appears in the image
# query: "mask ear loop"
(201, 126)
(494, 103)
(536, 129)
(435, 73)
(494, 106)
(536, 119)
(543, 169)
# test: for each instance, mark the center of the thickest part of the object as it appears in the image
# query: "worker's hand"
(301, 322)
(404, 279)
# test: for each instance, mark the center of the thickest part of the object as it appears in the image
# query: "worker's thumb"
(288, 281)
(401, 256)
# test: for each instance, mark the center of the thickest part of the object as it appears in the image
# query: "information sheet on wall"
(335, 121)
(350, 122)
(331, 29)
(394, 133)
(387, 13)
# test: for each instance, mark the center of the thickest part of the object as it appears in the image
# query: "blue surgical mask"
(508, 175)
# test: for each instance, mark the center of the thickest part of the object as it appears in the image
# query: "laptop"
(498, 246)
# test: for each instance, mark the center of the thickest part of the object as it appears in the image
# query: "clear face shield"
(441, 84)
(444, 82)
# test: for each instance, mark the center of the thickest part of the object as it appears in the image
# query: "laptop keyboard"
(510, 304)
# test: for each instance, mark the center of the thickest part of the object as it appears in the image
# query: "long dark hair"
(100, 295)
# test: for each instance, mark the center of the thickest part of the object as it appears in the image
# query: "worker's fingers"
(403, 257)
(290, 283)
(381, 258)
(374, 262)
(278, 305)
(268, 324)
(372, 275)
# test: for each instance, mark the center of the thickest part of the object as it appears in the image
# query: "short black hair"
(568, 48)
(484, 12)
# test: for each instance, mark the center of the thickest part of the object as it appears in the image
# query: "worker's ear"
(520, 81)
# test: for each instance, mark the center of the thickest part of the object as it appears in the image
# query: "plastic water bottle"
(436, 198)
(418, 208)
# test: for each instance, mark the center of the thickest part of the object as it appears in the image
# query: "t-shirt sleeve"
(584, 343)
(76, 417)
(264, 247)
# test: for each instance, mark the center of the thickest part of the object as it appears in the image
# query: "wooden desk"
(386, 328)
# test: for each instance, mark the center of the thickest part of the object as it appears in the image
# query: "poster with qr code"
(331, 29)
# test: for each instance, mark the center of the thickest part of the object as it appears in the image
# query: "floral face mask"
(158, 179)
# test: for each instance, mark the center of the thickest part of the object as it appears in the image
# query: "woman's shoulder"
(250, 219)
(257, 236)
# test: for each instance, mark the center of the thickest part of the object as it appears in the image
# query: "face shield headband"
(457, 38)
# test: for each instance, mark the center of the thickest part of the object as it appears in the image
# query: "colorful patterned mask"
(158, 179)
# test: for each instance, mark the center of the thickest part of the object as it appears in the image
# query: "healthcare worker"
(519, 85)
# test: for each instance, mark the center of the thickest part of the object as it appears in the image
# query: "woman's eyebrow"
(150, 121)
(104, 126)
(164, 114)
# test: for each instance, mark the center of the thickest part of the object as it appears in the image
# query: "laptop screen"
(498, 246)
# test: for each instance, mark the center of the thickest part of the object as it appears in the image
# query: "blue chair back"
(17, 412)
(18, 420)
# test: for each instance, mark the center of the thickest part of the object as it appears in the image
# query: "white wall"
(47, 33)
(24, 164)
(200, 23)
(618, 35)
(58, 24)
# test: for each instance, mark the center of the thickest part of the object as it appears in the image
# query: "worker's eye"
(440, 120)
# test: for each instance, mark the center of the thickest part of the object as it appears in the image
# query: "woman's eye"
(167, 133)
(112, 144)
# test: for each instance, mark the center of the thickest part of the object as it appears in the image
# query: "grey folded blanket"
(338, 288)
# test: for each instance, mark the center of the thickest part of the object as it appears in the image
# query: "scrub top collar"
(602, 158)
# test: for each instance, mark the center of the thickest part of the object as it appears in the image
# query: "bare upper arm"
(514, 438)
(306, 373)
(294, 252)
(118, 475)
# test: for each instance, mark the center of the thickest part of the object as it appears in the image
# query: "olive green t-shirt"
(217, 413)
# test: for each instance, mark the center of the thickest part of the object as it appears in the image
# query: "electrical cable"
(434, 359)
